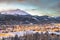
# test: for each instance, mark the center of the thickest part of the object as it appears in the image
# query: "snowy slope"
(14, 12)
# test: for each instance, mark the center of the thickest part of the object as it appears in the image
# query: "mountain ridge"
(27, 19)
(14, 12)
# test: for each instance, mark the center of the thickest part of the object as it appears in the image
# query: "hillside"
(22, 17)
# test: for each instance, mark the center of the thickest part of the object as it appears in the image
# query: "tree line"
(35, 36)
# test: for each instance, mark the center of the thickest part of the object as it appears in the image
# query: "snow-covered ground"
(22, 33)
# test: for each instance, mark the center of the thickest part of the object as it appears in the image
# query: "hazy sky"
(34, 7)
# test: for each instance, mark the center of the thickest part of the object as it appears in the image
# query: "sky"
(33, 7)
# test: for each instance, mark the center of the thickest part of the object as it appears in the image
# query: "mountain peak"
(14, 12)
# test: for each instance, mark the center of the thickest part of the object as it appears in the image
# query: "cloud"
(51, 5)
(11, 0)
(55, 7)
(20, 0)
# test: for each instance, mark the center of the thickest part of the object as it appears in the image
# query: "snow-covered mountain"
(21, 17)
(14, 12)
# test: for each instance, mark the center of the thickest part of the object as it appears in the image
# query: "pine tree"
(16, 37)
(3, 38)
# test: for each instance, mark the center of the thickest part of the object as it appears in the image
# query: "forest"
(35, 36)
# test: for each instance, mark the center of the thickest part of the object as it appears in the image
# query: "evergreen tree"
(3, 38)
(16, 37)
(36, 36)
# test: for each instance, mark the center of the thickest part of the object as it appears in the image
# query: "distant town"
(36, 28)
